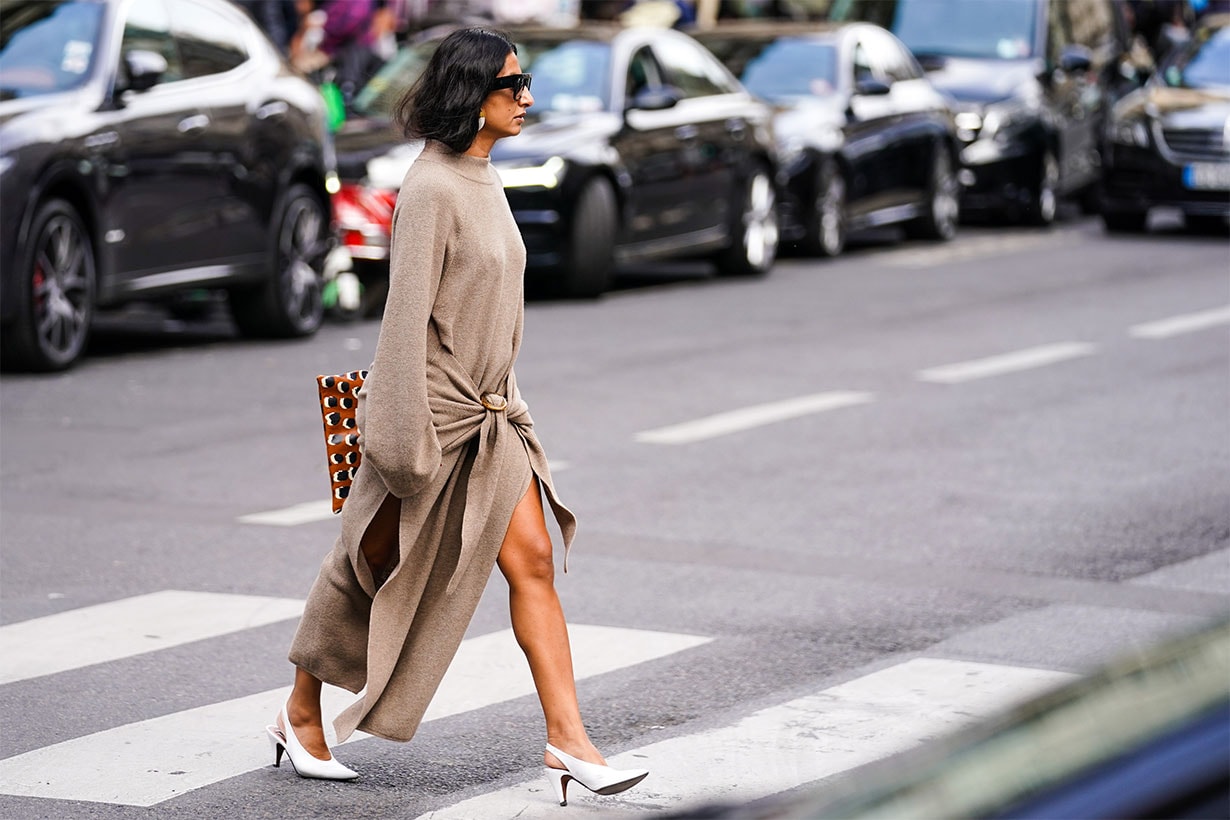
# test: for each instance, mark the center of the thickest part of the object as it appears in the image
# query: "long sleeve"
(399, 440)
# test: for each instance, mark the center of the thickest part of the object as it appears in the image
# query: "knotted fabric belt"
(490, 418)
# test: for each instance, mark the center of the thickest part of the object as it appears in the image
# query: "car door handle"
(686, 132)
(194, 124)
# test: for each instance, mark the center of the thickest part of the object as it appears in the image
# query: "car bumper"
(1136, 179)
(540, 216)
(993, 176)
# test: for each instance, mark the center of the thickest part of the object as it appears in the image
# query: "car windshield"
(785, 68)
(569, 76)
(1002, 29)
(1204, 65)
(46, 46)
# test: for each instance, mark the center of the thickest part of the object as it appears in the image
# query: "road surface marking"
(322, 509)
(304, 513)
(914, 257)
(1006, 363)
(132, 626)
(757, 415)
(785, 746)
(1186, 323)
(145, 763)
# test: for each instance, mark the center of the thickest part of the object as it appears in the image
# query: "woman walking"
(452, 475)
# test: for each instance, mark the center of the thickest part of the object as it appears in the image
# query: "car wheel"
(1044, 201)
(591, 243)
(826, 221)
(56, 292)
(754, 241)
(289, 303)
(1125, 221)
(942, 207)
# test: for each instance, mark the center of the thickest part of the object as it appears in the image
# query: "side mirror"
(654, 99)
(145, 69)
(871, 87)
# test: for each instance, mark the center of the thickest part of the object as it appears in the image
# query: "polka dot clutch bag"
(339, 395)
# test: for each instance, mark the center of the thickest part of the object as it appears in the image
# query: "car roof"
(772, 29)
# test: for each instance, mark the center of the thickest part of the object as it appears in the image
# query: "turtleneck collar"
(477, 169)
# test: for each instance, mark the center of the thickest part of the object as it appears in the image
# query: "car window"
(1003, 29)
(209, 42)
(1204, 64)
(148, 28)
(889, 56)
(791, 67)
(570, 76)
(643, 72)
(383, 91)
(691, 69)
(46, 46)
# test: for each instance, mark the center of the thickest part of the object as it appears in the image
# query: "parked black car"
(1169, 142)
(863, 138)
(1034, 80)
(640, 145)
(149, 147)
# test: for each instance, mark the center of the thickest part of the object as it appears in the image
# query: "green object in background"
(335, 109)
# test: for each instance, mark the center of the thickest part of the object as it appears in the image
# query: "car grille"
(1197, 144)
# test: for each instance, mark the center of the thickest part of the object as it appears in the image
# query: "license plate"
(1207, 176)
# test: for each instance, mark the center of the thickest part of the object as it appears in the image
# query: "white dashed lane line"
(745, 418)
(1186, 323)
(1006, 363)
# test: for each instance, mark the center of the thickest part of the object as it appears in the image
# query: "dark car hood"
(1178, 107)
(372, 149)
(981, 81)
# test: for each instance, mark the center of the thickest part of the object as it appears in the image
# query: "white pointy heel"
(304, 762)
(598, 779)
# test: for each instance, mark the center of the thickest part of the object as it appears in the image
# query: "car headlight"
(1130, 132)
(546, 175)
(1000, 119)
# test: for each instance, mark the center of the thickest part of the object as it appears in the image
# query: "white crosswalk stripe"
(768, 751)
(132, 626)
(146, 763)
(784, 746)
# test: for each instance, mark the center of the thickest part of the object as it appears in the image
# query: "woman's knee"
(528, 560)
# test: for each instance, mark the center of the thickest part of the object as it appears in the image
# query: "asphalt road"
(873, 477)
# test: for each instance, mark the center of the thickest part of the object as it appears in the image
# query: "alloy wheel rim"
(832, 204)
(60, 287)
(760, 221)
(300, 246)
(945, 204)
(1047, 201)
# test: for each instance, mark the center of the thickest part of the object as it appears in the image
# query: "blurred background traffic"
(189, 152)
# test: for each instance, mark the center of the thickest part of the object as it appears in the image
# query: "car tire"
(825, 233)
(57, 304)
(755, 237)
(288, 304)
(1125, 221)
(1044, 198)
(942, 206)
(586, 272)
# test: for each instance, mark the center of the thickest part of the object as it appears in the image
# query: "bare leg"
(303, 706)
(538, 622)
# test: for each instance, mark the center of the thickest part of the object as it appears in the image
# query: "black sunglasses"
(517, 82)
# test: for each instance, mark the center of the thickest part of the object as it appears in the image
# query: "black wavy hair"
(444, 102)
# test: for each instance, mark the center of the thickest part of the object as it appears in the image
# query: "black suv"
(149, 148)
(1032, 80)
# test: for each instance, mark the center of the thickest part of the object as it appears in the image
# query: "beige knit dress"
(451, 331)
